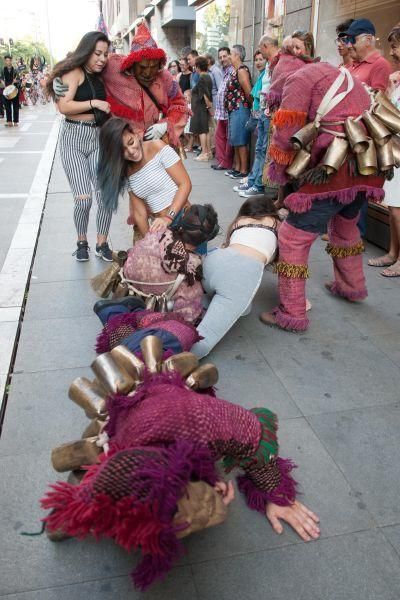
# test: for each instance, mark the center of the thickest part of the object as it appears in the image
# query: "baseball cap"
(358, 27)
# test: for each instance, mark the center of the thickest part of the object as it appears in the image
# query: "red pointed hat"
(143, 47)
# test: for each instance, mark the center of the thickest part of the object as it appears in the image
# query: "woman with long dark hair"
(233, 273)
(158, 183)
(85, 108)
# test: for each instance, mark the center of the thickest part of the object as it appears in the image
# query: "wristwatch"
(171, 214)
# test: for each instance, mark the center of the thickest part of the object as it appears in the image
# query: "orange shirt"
(374, 71)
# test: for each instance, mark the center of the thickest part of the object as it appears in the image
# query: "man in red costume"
(141, 90)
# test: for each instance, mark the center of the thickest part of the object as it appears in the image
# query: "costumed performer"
(329, 189)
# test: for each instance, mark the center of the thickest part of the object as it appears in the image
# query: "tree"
(215, 27)
(27, 48)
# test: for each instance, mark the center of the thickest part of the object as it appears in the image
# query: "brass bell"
(81, 392)
(184, 363)
(129, 362)
(120, 257)
(335, 155)
(111, 376)
(150, 303)
(396, 149)
(299, 164)
(377, 130)
(203, 377)
(388, 118)
(121, 291)
(367, 161)
(152, 352)
(94, 428)
(74, 455)
(356, 135)
(304, 136)
(103, 283)
(162, 305)
(382, 99)
(385, 156)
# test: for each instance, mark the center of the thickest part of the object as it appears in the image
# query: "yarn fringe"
(281, 157)
(283, 495)
(144, 54)
(316, 176)
(292, 271)
(290, 323)
(123, 111)
(299, 202)
(289, 118)
(340, 252)
(335, 290)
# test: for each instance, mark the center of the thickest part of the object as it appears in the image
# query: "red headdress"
(143, 47)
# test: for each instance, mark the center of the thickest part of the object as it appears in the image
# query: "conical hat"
(143, 47)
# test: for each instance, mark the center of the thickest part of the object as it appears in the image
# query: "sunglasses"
(350, 40)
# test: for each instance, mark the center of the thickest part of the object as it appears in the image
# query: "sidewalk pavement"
(335, 388)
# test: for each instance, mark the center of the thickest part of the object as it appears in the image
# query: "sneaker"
(103, 251)
(242, 187)
(237, 175)
(250, 192)
(82, 251)
(244, 180)
(230, 172)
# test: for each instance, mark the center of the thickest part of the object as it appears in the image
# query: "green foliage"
(214, 18)
(27, 48)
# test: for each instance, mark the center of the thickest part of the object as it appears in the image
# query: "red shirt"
(374, 71)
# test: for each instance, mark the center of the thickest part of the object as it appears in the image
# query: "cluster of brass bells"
(121, 372)
(109, 281)
(375, 142)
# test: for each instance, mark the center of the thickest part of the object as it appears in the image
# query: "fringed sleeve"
(267, 477)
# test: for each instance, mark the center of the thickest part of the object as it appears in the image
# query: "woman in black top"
(85, 108)
(184, 75)
(201, 106)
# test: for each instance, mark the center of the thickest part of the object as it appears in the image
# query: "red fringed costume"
(128, 99)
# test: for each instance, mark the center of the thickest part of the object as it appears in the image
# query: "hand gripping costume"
(157, 433)
(333, 162)
(129, 100)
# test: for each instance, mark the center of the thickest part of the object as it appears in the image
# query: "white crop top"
(152, 183)
(259, 237)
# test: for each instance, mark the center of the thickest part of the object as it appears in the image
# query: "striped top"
(152, 183)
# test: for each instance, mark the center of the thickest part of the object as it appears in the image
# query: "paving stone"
(57, 344)
(320, 480)
(59, 299)
(178, 585)
(389, 344)
(393, 535)
(335, 375)
(365, 445)
(350, 567)
(39, 413)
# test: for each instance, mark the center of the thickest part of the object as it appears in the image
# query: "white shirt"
(152, 183)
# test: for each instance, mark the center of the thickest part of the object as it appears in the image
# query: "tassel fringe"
(289, 118)
(292, 271)
(340, 252)
(281, 157)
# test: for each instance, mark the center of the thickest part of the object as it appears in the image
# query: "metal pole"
(49, 34)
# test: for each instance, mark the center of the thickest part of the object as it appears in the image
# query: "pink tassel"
(300, 203)
(292, 323)
(356, 295)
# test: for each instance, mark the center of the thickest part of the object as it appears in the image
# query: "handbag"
(100, 116)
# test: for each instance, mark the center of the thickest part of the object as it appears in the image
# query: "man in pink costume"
(141, 90)
(318, 199)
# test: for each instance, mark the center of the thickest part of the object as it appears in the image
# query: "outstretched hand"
(298, 516)
(226, 490)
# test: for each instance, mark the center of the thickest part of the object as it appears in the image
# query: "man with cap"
(140, 89)
(369, 66)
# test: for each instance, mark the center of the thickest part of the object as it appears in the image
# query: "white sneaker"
(241, 187)
(250, 192)
(244, 180)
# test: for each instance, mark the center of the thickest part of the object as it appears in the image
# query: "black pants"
(316, 219)
(1, 105)
(12, 109)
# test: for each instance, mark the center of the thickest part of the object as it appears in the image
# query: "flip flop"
(392, 272)
(379, 262)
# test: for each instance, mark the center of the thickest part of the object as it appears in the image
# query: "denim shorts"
(238, 135)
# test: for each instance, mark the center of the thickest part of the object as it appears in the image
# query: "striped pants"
(79, 150)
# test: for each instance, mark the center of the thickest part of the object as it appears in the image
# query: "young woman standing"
(85, 108)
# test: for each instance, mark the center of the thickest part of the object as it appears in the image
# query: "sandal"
(392, 272)
(382, 261)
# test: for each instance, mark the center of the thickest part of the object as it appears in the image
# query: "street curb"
(15, 274)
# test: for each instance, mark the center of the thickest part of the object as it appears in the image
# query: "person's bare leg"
(243, 155)
(236, 160)
(394, 269)
(392, 255)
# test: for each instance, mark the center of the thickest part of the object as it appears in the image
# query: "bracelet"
(90, 104)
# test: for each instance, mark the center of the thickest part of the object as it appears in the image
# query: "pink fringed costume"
(130, 101)
(318, 198)
(160, 438)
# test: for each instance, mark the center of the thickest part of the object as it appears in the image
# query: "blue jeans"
(255, 177)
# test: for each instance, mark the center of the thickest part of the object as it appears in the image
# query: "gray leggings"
(233, 279)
